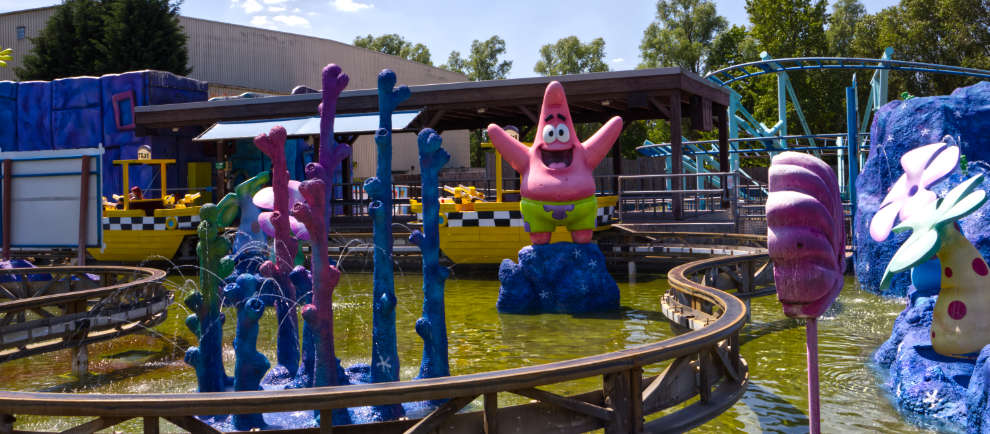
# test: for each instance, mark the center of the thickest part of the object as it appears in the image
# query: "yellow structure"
(138, 229)
(478, 232)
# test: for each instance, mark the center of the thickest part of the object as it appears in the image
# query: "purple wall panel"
(8, 115)
(34, 115)
(76, 113)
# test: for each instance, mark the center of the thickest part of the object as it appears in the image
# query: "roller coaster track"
(745, 71)
(704, 375)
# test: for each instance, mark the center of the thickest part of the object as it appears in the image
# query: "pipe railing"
(703, 363)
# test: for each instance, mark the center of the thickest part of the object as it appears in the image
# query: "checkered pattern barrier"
(484, 219)
(185, 222)
(604, 217)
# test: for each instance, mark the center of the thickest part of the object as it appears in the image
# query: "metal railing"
(703, 363)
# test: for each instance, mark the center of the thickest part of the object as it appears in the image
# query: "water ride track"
(744, 71)
(704, 362)
(52, 308)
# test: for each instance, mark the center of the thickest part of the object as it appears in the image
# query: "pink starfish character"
(558, 188)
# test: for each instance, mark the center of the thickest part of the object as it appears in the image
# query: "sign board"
(45, 188)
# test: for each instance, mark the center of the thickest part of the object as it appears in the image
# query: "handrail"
(712, 352)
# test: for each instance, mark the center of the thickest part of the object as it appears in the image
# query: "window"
(21, 32)
(123, 110)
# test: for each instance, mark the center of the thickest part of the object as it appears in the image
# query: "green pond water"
(483, 340)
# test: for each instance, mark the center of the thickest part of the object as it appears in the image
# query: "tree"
(70, 44)
(732, 47)
(483, 61)
(947, 32)
(842, 26)
(681, 35)
(95, 37)
(481, 64)
(144, 34)
(395, 45)
(569, 56)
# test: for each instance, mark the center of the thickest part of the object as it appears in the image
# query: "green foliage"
(731, 47)
(569, 56)
(842, 27)
(947, 32)
(682, 35)
(95, 37)
(483, 61)
(395, 45)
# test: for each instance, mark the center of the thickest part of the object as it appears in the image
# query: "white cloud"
(312, 14)
(618, 60)
(292, 20)
(296, 10)
(260, 20)
(276, 8)
(274, 2)
(350, 5)
(251, 6)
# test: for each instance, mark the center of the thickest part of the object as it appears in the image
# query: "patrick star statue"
(557, 184)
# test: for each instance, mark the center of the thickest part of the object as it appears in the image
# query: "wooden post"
(83, 211)
(636, 398)
(80, 353)
(7, 420)
(7, 179)
(618, 394)
(491, 410)
(221, 171)
(676, 151)
(723, 151)
(150, 425)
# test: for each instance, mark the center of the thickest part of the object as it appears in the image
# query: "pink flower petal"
(265, 198)
(917, 160)
(916, 203)
(883, 221)
(943, 164)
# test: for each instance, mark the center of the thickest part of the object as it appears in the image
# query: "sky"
(446, 25)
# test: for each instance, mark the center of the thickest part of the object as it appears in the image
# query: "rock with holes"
(557, 278)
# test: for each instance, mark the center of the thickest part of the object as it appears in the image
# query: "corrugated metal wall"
(235, 59)
(249, 57)
(33, 20)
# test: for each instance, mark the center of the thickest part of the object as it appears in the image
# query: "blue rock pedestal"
(929, 389)
(557, 278)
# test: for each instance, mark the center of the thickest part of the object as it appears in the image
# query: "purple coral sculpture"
(286, 247)
(331, 152)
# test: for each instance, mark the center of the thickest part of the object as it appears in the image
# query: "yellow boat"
(477, 232)
(146, 229)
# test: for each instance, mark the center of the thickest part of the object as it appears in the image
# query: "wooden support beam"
(435, 119)
(723, 151)
(575, 405)
(95, 425)
(434, 419)
(529, 114)
(636, 398)
(660, 107)
(84, 210)
(676, 153)
(6, 205)
(616, 387)
(675, 384)
(150, 425)
(193, 425)
(491, 413)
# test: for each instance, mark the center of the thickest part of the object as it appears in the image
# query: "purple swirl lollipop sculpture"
(806, 242)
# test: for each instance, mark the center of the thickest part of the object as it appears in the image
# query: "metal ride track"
(702, 363)
(45, 309)
(744, 71)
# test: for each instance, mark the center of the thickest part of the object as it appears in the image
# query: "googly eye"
(563, 133)
(549, 134)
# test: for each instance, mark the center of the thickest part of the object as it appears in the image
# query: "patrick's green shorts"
(541, 216)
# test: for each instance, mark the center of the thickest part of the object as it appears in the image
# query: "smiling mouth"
(557, 159)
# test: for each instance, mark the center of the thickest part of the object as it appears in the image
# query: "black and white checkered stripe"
(604, 216)
(185, 222)
(484, 219)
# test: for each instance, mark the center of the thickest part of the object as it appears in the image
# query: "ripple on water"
(482, 340)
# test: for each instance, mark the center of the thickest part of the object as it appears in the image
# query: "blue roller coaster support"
(852, 142)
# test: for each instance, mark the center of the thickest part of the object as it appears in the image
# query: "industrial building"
(233, 59)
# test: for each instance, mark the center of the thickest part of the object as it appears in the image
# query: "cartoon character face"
(558, 167)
